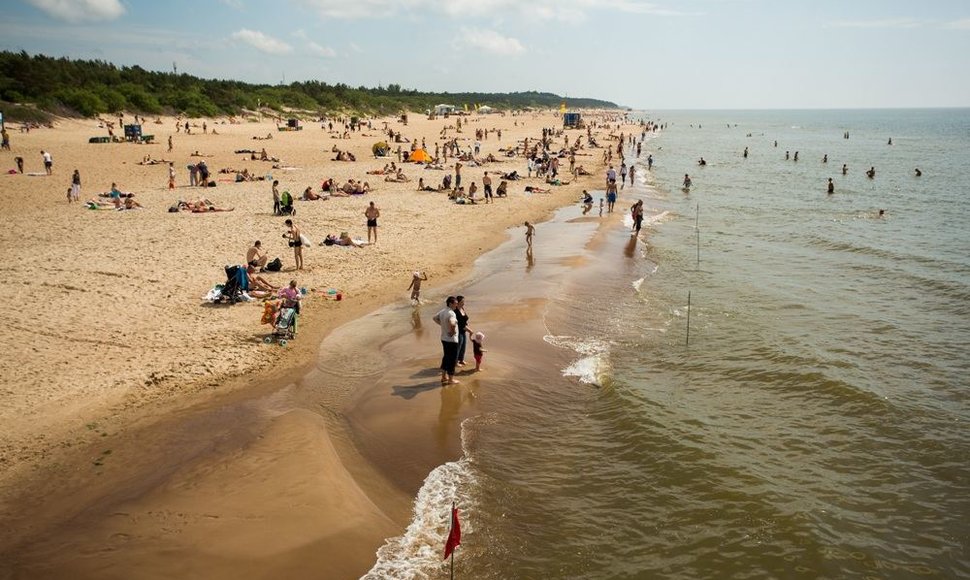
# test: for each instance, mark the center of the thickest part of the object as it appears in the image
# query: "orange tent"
(419, 156)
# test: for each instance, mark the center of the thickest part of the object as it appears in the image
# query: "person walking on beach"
(75, 187)
(415, 287)
(530, 231)
(649, 162)
(171, 175)
(446, 319)
(636, 213)
(623, 174)
(169, 142)
(457, 175)
(296, 242)
(193, 174)
(48, 162)
(4, 139)
(610, 196)
(372, 213)
(610, 175)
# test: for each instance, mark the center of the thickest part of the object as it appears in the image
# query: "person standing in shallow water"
(446, 319)
(463, 330)
(831, 187)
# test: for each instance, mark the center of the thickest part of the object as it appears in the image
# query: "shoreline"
(131, 418)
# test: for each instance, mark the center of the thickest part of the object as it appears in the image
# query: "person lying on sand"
(130, 203)
(200, 206)
(257, 282)
(309, 195)
(149, 161)
(398, 177)
(343, 240)
(98, 204)
(197, 154)
(533, 189)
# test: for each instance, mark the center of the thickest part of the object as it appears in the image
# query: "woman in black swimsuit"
(463, 330)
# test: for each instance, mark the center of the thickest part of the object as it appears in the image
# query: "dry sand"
(108, 338)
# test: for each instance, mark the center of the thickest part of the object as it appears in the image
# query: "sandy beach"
(144, 427)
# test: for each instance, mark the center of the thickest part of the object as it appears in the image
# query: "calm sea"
(816, 425)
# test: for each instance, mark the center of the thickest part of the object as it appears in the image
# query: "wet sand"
(308, 468)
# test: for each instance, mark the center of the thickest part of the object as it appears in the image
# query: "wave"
(592, 367)
(418, 553)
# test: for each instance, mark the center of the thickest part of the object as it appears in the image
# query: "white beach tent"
(485, 109)
(445, 109)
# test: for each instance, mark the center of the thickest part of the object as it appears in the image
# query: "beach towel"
(214, 295)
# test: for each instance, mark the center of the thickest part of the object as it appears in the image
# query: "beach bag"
(275, 266)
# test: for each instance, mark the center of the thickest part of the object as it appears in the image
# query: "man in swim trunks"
(296, 242)
(255, 256)
(372, 213)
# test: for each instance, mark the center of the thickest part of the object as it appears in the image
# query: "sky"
(667, 54)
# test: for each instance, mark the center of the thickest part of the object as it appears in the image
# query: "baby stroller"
(285, 326)
(286, 204)
(236, 283)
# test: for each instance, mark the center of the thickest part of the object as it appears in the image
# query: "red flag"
(454, 536)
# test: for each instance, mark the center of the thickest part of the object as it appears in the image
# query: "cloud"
(884, 23)
(564, 10)
(633, 7)
(355, 9)
(81, 10)
(963, 24)
(261, 42)
(489, 41)
(323, 51)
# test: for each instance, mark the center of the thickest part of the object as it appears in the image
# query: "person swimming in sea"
(918, 172)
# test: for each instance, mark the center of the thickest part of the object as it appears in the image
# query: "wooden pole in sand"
(688, 319)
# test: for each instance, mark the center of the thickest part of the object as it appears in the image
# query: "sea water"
(814, 421)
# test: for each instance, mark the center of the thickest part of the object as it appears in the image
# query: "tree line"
(87, 88)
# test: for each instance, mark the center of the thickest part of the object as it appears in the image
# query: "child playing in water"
(415, 287)
(478, 340)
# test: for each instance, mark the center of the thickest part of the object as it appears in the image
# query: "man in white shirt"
(448, 321)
